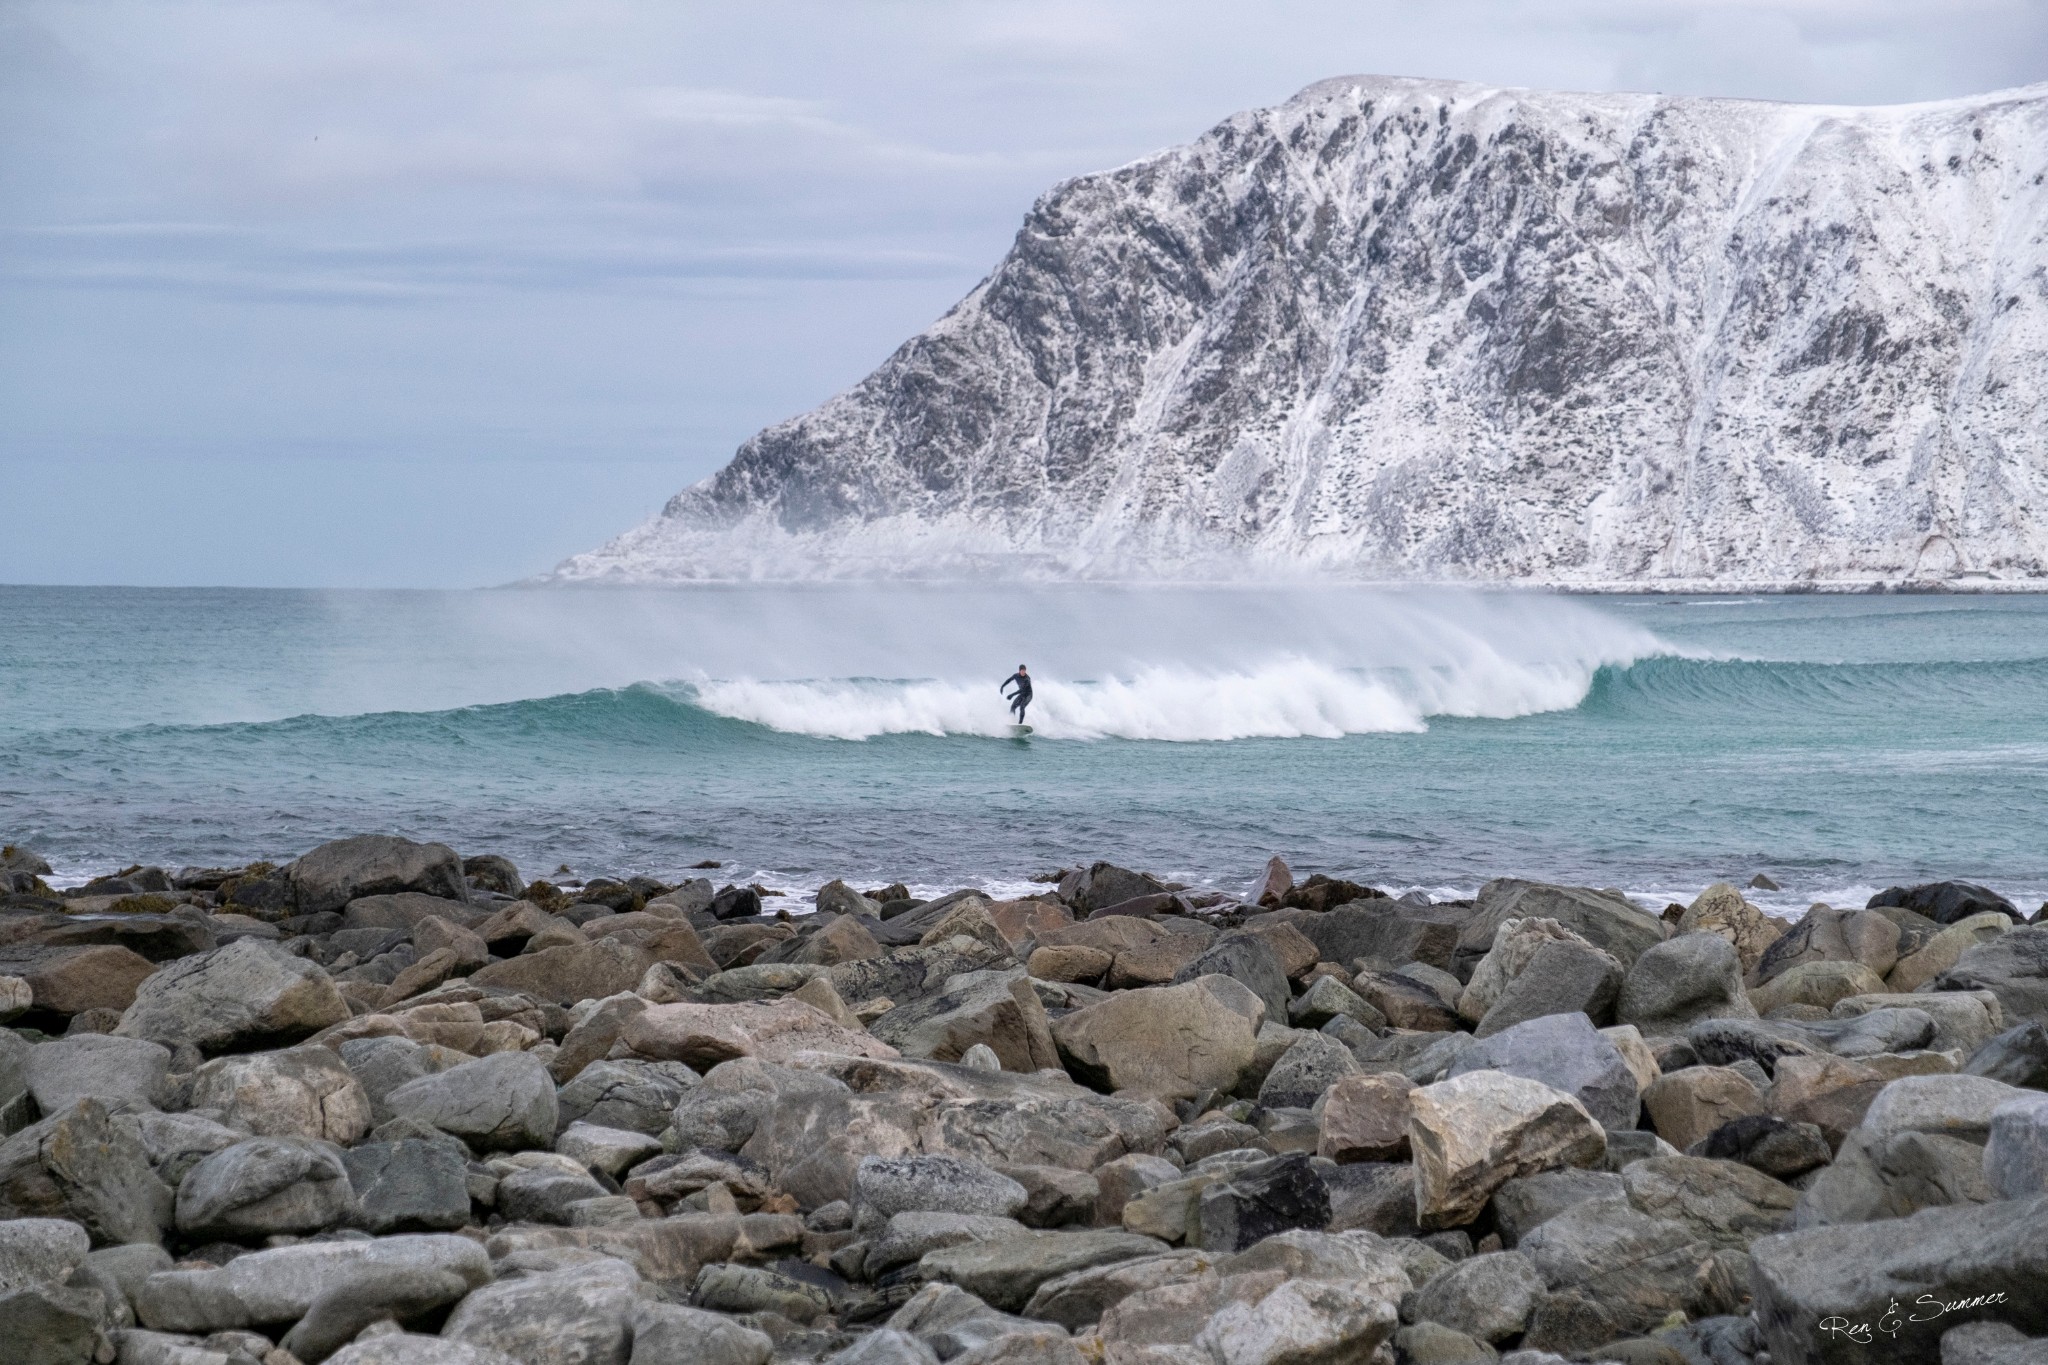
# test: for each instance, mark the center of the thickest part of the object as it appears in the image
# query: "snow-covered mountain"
(1412, 329)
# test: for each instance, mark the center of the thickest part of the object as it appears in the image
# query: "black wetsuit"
(1022, 697)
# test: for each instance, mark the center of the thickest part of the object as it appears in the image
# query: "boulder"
(1682, 980)
(1006, 1273)
(608, 1150)
(907, 1237)
(1764, 1142)
(1169, 1041)
(1105, 884)
(246, 995)
(2013, 967)
(1685, 1106)
(1826, 934)
(1472, 1133)
(1721, 911)
(1365, 1118)
(1635, 1269)
(902, 975)
(1487, 1297)
(1606, 920)
(1728, 1042)
(408, 1185)
(281, 1285)
(373, 1294)
(886, 1186)
(1724, 1203)
(1566, 1053)
(570, 973)
(1244, 957)
(335, 873)
(1819, 984)
(1515, 942)
(299, 1092)
(1528, 1202)
(1945, 902)
(582, 1313)
(1327, 999)
(1261, 1199)
(671, 1334)
(1405, 1002)
(702, 1036)
(504, 1101)
(1309, 1321)
(640, 1097)
(1125, 1178)
(998, 1009)
(1381, 930)
(2016, 1151)
(1963, 1020)
(79, 1165)
(545, 1194)
(1876, 1033)
(1919, 1145)
(1305, 1071)
(115, 1071)
(74, 980)
(1943, 950)
(51, 1325)
(1560, 977)
(1833, 1294)
(2018, 1056)
(263, 1187)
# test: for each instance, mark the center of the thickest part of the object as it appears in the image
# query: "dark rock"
(736, 902)
(1945, 902)
(1372, 1196)
(1677, 983)
(1561, 977)
(1246, 958)
(365, 1295)
(490, 872)
(1724, 1042)
(1320, 893)
(1603, 918)
(1262, 1199)
(1767, 1143)
(79, 1165)
(1105, 884)
(265, 1186)
(2013, 967)
(1311, 1066)
(1527, 1202)
(1387, 932)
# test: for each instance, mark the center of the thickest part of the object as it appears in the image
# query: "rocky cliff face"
(1400, 328)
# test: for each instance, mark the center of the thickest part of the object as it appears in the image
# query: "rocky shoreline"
(386, 1105)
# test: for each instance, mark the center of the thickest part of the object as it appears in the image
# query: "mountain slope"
(1402, 328)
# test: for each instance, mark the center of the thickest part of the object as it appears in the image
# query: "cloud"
(630, 221)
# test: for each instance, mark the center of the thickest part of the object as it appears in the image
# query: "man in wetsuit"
(1021, 698)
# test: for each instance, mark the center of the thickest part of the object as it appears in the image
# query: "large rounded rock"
(702, 1036)
(298, 1092)
(1473, 1133)
(639, 1097)
(1608, 921)
(1566, 1053)
(1168, 1041)
(1246, 957)
(246, 995)
(1488, 1297)
(1945, 902)
(40, 1251)
(98, 1066)
(1681, 981)
(504, 1101)
(1721, 911)
(2018, 1056)
(2013, 967)
(1314, 1063)
(81, 1166)
(995, 1009)
(886, 1186)
(571, 972)
(1943, 950)
(265, 1186)
(332, 875)
(409, 1186)
(1826, 934)
(581, 1315)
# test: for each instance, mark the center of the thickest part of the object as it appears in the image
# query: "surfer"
(1021, 698)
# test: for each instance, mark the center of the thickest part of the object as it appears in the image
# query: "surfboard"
(1019, 731)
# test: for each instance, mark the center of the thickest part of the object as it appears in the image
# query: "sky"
(432, 293)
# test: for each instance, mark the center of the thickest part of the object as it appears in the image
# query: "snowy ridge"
(1404, 329)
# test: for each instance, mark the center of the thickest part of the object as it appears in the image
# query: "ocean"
(1407, 738)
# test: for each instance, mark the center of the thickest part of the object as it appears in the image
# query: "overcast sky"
(434, 292)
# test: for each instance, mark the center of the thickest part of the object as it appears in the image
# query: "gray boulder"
(1561, 977)
(1825, 934)
(1527, 1202)
(2019, 1056)
(640, 1097)
(1245, 957)
(886, 1186)
(282, 1284)
(335, 873)
(366, 1294)
(115, 1071)
(545, 1194)
(294, 1092)
(408, 1186)
(1919, 1145)
(265, 1186)
(2016, 1152)
(175, 1143)
(40, 1251)
(381, 1065)
(2013, 967)
(670, 1334)
(994, 1009)
(1603, 918)
(1858, 1275)
(1564, 1052)
(505, 1101)
(581, 1315)
(1637, 1269)
(79, 1165)
(246, 995)
(1005, 1273)
(1261, 1199)
(1682, 980)
(1486, 1297)
(408, 1348)
(1311, 1066)
(885, 1346)
(50, 1325)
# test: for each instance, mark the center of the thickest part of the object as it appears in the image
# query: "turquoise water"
(1408, 739)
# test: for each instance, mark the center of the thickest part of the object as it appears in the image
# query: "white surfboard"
(1019, 731)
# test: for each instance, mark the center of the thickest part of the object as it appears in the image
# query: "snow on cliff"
(1414, 329)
